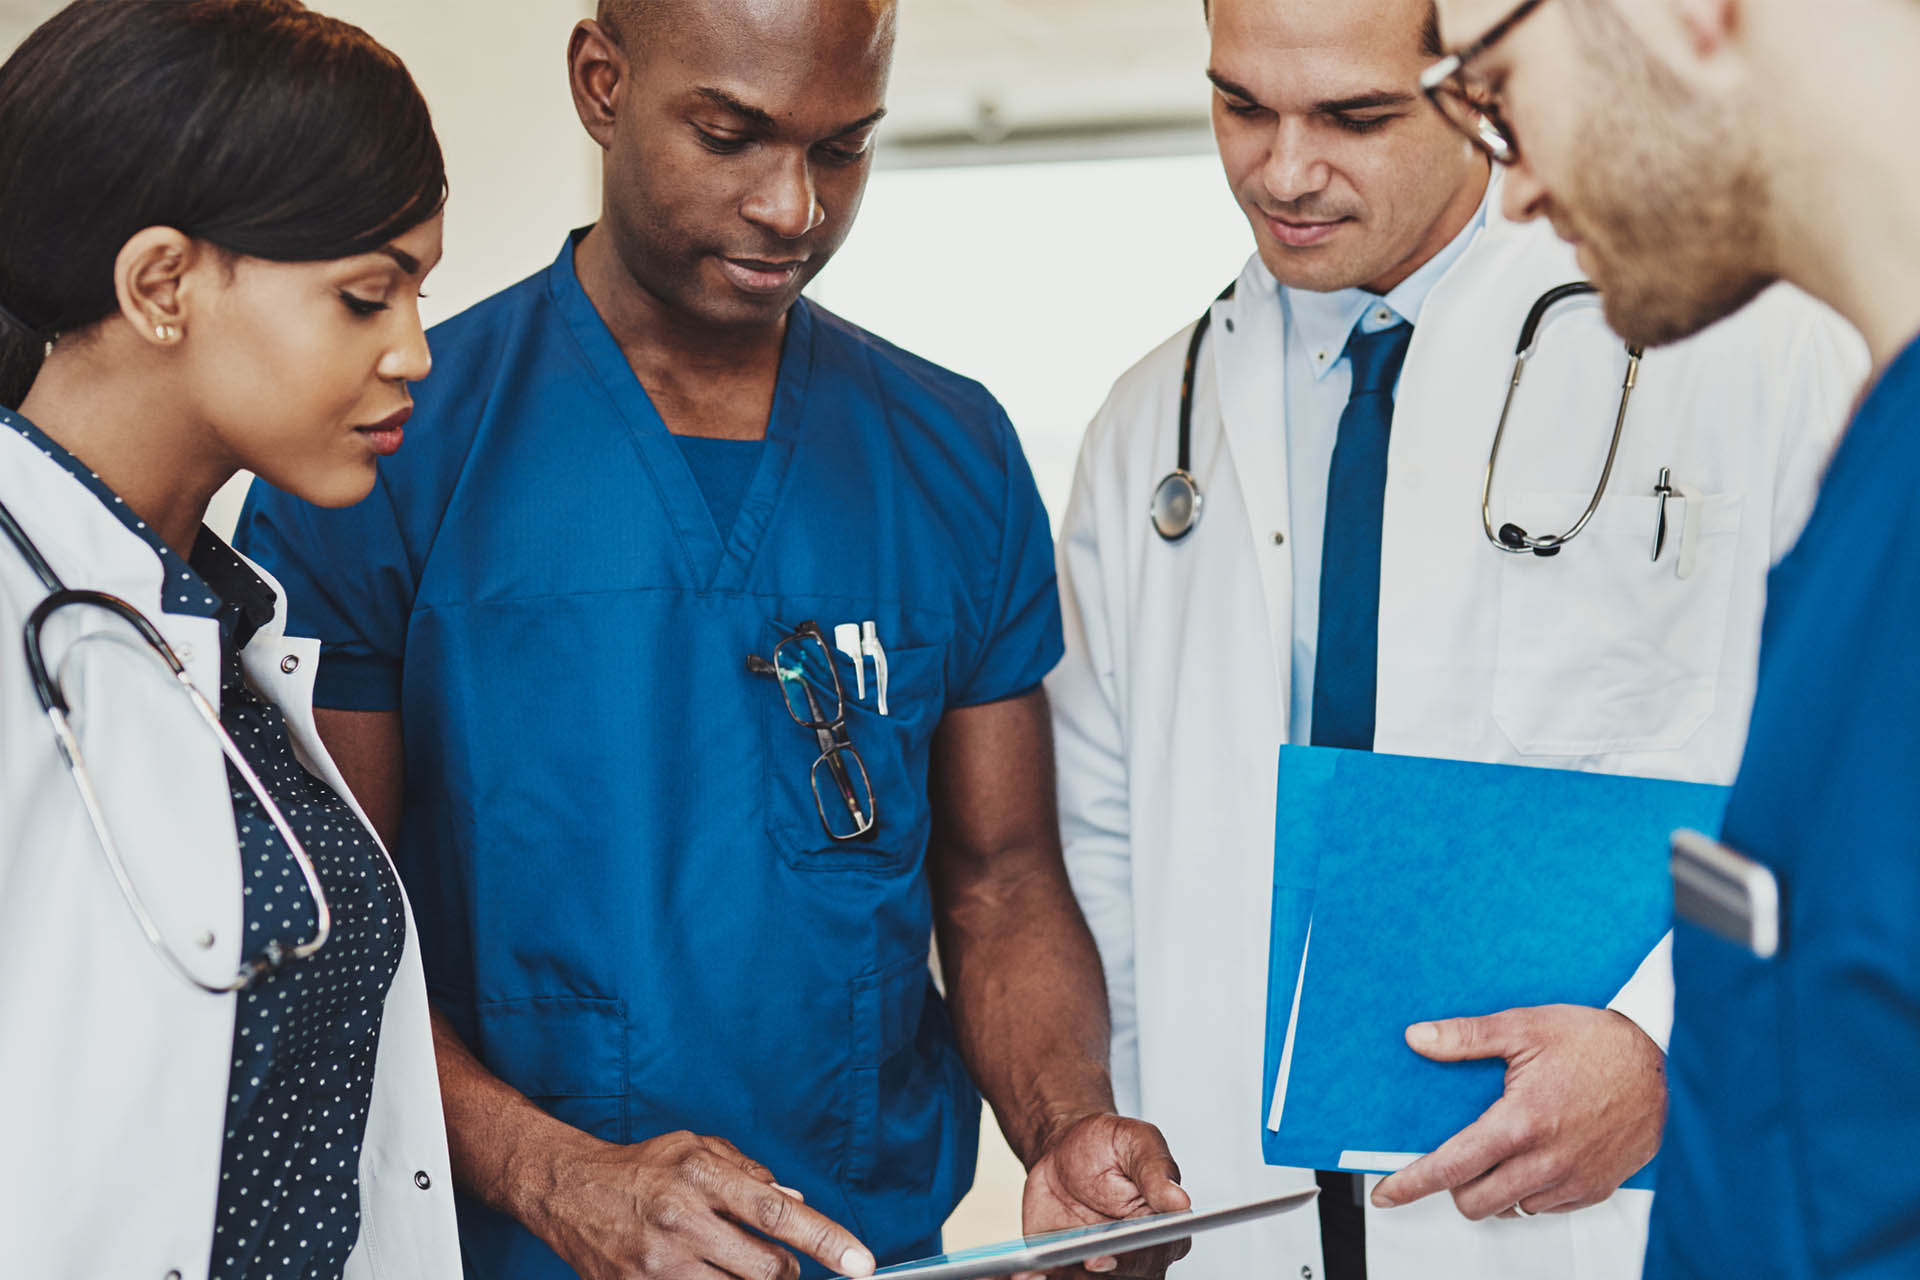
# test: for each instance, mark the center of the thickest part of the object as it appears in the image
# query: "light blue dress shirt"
(1318, 381)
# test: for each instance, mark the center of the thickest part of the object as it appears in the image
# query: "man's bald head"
(1429, 30)
(738, 135)
(624, 19)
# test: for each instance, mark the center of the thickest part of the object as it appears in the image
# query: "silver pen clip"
(1662, 489)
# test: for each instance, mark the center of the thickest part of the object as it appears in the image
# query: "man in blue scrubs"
(690, 656)
(1698, 150)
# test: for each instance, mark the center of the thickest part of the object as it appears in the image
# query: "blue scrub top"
(625, 898)
(1796, 1114)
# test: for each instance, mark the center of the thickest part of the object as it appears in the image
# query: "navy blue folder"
(1441, 888)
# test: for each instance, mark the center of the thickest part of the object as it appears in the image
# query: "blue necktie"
(1345, 667)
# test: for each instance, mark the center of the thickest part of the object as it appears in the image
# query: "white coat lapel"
(1248, 345)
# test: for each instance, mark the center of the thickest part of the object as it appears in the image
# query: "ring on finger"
(1520, 1212)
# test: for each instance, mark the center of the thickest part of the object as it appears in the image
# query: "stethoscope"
(1177, 499)
(1511, 537)
(54, 702)
(1175, 510)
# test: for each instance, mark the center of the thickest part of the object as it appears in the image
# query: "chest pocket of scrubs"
(894, 747)
(1603, 650)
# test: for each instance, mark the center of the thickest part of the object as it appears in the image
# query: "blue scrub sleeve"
(1020, 639)
(348, 582)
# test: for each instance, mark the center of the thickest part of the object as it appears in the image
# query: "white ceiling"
(1054, 76)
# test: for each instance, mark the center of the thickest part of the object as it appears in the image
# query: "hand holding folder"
(1583, 1101)
(1407, 890)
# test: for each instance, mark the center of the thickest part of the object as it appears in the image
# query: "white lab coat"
(113, 1071)
(1173, 697)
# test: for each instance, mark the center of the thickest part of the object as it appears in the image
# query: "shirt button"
(1279, 539)
(422, 1181)
(172, 1275)
(290, 664)
(184, 652)
(206, 940)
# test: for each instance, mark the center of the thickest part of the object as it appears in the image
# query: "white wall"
(1044, 281)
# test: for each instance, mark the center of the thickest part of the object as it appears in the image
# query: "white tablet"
(1058, 1249)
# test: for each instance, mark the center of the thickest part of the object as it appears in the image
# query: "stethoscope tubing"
(1520, 542)
(1182, 477)
(53, 703)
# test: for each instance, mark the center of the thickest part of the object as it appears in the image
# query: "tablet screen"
(1079, 1244)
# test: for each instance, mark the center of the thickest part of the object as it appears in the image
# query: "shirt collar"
(1320, 322)
(213, 576)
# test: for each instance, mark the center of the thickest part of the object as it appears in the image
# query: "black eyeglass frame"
(830, 732)
(1480, 121)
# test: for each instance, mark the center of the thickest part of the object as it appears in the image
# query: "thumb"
(1151, 1168)
(1161, 1190)
(1466, 1039)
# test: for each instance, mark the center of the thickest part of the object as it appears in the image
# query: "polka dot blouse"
(305, 1037)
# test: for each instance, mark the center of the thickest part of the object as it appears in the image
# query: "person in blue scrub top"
(691, 653)
(1699, 151)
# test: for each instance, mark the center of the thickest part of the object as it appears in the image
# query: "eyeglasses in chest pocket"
(845, 780)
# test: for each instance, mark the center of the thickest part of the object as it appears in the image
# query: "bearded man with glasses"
(1699, 151)
(1338, 589)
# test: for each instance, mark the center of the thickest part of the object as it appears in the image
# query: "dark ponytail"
(258, 126)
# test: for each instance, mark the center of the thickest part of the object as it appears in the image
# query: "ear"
(597, 71)
(1709, 24)
(148, 276)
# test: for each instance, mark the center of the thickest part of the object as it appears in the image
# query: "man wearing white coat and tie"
(1339, 586)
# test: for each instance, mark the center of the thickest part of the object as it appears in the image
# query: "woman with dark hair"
(215, 1057)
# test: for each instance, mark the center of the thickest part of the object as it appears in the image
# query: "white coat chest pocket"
(1601, 648)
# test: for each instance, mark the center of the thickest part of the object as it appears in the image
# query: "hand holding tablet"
(1057, 1249)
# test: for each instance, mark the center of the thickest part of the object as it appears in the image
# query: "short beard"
(1673, 199)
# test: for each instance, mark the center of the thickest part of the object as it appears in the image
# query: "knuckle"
(777, 1265)
(667, 1213)
(772, 1212)
(677, 1148)
(699, 1169)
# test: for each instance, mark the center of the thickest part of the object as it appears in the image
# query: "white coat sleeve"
(1647, 999)
(1820, 369)
(1091, 758)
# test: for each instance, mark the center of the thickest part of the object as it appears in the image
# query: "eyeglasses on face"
(1469, 109)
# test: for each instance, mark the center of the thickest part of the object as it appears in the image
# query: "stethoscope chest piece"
(1176, 502)
(1176, 506)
